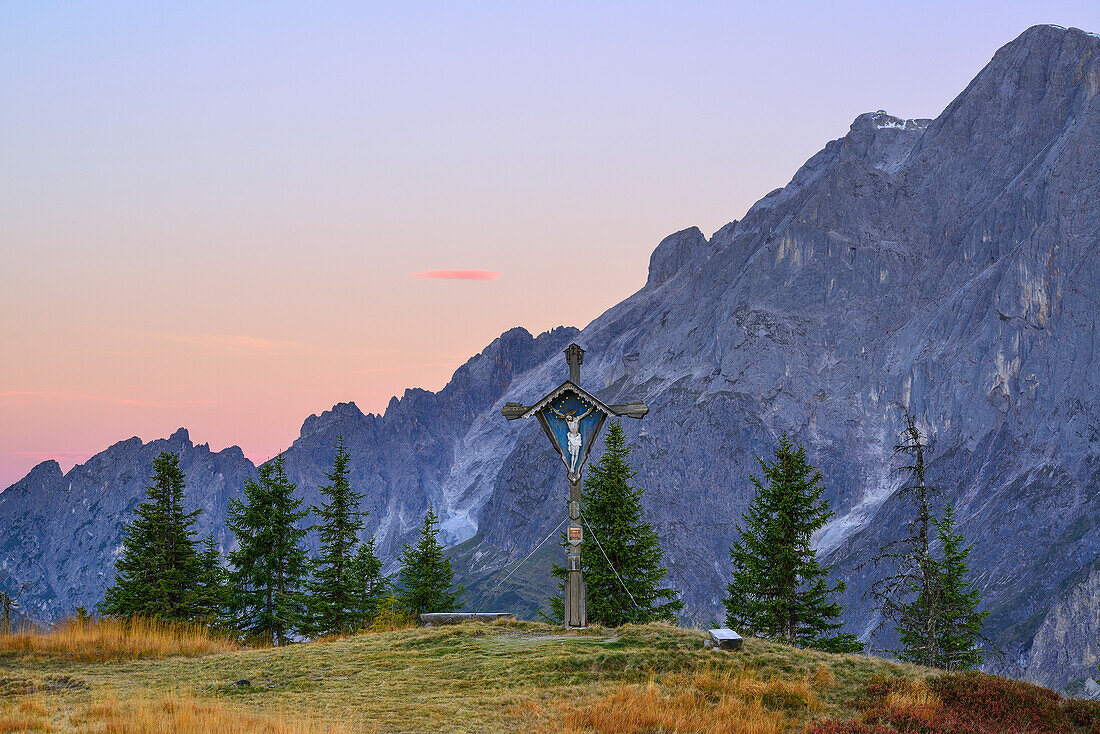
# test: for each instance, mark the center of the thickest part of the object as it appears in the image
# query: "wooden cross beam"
(635, 409)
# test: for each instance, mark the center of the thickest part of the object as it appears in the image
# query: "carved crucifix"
(572, 419)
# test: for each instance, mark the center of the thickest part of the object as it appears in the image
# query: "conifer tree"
(332, 600)
(951, 602)
(622, 557)
(915, 568)
(371, 585)
(425, 579)
(779, 590)
(928, 599)
(963, 623)
(212, 590)
(156, 574)
(269, 566)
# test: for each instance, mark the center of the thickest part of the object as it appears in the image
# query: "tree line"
(778, 589)
(270, 589)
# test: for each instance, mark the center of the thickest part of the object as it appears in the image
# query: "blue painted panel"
(573, 421)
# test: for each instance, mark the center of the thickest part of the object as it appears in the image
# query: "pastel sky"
(210, 212)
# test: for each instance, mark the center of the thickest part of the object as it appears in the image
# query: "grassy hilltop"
(508, 677)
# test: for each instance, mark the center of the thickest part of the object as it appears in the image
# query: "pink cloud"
(457, 274)
(244, 345)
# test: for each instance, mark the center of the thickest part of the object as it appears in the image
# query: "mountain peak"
(46, 471)
(1052, 30)
(337, 413)
(1052, 46)
(883, 120)
(673, 253)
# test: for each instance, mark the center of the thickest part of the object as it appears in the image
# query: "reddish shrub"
(966, 703)
(1085, 714)
(976, 702)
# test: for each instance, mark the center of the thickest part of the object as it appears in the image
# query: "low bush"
(849, 727)
(966, 703)
(391, 617)
(1084, 714)
(979, 702)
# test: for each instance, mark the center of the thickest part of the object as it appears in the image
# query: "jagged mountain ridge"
(61, 532)
(948, 266)
(88, 505)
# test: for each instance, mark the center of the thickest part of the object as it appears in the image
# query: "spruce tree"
(371, 585)
(157, 573)
(212, 592)
(915, 573)
(928, 599)
(779, 590)
(425, 579)
(622, 556)
(332, 600)
(269, 566)
(951, 603)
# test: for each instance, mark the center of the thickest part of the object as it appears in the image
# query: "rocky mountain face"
(418, 452)
(60, 533)
(949, 267)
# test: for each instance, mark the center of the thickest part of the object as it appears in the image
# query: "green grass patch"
(476, 677)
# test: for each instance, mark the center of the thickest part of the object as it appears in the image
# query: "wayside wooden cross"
(572, 418)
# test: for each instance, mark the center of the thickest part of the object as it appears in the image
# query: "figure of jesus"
(573, 437)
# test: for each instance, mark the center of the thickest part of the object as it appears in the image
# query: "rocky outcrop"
(1068, 639)
(675, 251)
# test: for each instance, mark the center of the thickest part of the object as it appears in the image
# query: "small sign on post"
(576, 535)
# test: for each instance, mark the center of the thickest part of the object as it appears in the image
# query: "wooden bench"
(724, 639)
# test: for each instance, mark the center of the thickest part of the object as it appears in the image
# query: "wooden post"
(576, 615)
(574, 357)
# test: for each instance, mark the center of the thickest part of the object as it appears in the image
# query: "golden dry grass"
(704, 701)
(173, 713)
(913, 700)
(23, 714)
(824, 677)
(518, 677)
(114, 639)
(649, 708)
